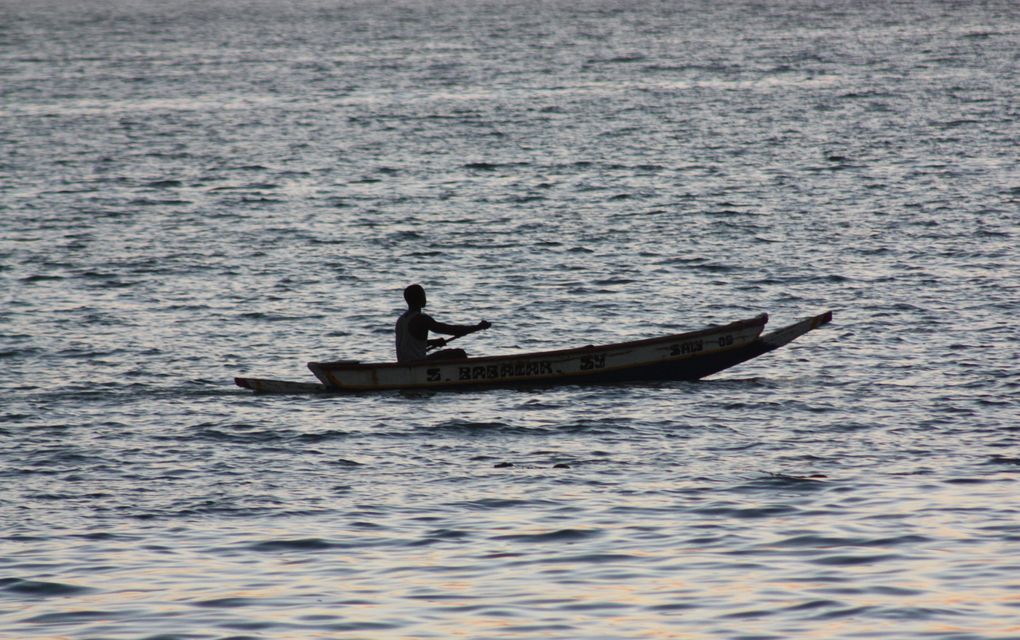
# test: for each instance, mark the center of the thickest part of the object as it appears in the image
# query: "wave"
(297, 544)
(562, 535)
(41, 589)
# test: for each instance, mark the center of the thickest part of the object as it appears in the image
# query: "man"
(413, 330)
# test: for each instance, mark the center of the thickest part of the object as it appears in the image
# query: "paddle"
(442, 342)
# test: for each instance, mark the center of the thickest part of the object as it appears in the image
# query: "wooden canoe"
(683, 356)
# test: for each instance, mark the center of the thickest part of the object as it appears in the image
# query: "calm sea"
(193, 190)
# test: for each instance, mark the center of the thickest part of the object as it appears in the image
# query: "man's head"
(415, 296)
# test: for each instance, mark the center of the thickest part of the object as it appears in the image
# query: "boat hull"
(686, 356)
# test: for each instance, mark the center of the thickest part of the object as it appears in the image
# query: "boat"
(683, 356)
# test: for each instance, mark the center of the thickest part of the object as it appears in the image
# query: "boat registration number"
(695, 346)
(684, 348)
(495, 371)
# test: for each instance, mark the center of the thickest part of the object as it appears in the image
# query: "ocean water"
(191, 191)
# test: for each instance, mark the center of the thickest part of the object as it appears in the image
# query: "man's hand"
(436, 343)
(483, 325)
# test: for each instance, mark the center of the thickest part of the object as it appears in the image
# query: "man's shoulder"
(416, 316)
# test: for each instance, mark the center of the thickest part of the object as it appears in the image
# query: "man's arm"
(455, 330)
(425, 323)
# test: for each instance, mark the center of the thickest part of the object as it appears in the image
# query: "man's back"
(411, 341)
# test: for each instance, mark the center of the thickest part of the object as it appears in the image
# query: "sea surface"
(194, 190)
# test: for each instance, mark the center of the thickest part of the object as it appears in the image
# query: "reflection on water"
(199, 192)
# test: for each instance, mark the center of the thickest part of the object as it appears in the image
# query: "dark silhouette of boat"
(682, 356)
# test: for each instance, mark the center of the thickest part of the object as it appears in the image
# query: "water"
(193, 191)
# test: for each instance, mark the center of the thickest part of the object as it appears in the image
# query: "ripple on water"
(560, 536)
(581, 174)
(40, 588)
(302, 544)
(70, 617)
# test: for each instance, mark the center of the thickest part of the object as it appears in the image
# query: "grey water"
(191, 191)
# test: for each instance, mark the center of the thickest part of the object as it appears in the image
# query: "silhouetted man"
(413, 330)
